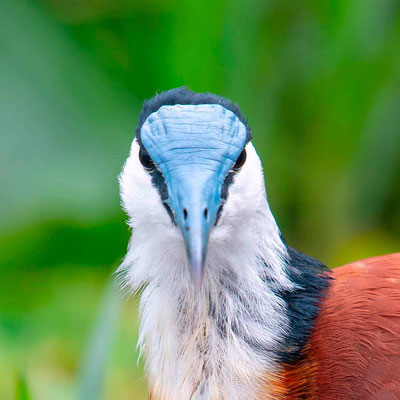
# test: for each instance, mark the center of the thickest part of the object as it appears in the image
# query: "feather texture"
(354, 350)
(356, 342)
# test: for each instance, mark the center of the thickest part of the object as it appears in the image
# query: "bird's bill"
(195, 206)
(196, 233)
(194, 147)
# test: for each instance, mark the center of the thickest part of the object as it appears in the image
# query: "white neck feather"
(206, 344)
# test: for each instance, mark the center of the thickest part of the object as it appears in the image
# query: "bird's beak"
(194, 147)
(195, 207)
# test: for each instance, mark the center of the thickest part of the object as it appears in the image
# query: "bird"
(228, 310)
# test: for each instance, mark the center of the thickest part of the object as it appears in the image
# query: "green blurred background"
(319, 82)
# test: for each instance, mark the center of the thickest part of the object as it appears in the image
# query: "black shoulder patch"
(312, 279)
(182, 95)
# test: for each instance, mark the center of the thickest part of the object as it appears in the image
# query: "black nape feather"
(182, 95)
(312, 280)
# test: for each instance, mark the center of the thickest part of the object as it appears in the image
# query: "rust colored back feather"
(356, 341)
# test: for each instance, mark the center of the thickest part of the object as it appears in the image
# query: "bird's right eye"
(240, 161)
(146, 161)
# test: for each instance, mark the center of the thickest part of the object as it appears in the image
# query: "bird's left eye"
(240, 161)
(146, 161)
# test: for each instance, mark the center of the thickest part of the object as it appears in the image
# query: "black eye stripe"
(158, 181)
(224, 193)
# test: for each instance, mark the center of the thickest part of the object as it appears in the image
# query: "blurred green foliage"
(22, 391)
(318, 80)
(95, 360)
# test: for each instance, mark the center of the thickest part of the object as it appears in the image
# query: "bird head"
(192, 175)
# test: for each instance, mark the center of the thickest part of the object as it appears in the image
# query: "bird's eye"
(240, 161)
(146, 161)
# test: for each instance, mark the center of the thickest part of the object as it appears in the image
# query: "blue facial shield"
(194, 147)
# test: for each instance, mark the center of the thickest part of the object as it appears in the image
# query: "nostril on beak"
(206, 213)
(185, 214)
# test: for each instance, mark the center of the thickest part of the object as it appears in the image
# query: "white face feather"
(196, 342)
